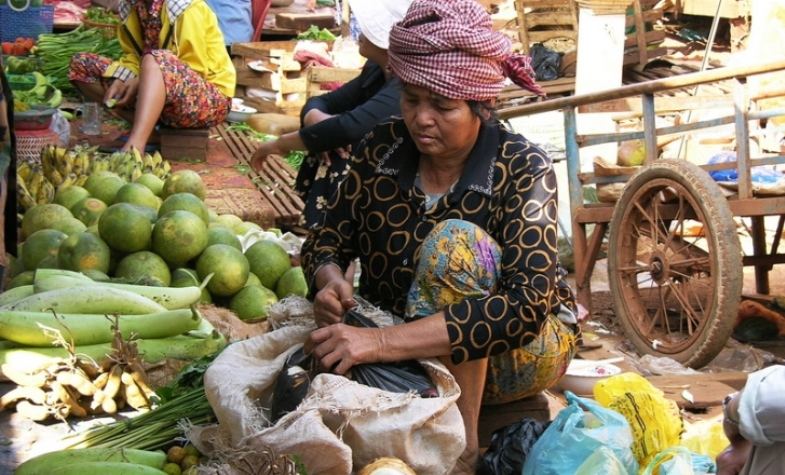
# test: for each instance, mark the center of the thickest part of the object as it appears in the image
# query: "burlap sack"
(341, 425)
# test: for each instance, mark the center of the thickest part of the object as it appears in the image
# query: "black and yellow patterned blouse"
(508, 188)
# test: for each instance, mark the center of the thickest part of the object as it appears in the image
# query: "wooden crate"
(319, 75)
(184, 144)
(275, 180)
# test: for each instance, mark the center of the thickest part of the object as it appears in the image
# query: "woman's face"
(370, 51)
(441, 127)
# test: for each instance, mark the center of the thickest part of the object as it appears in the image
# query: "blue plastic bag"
(759, 174)
(680, 461)
(569, 444)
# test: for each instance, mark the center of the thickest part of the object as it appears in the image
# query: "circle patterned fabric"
(508, 188)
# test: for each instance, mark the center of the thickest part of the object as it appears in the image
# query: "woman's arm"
(343, 346)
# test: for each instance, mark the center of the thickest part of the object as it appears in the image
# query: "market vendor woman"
(453, 218)
(175, 68)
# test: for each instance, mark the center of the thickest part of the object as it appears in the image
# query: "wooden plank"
(274, 181)
(730, 8)
(321, 74)
(535, 19)
(655, 36)
(261, 49)
(543, 36)
(302, 21)
(649, 16)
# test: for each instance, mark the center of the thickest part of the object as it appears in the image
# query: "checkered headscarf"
(449, 47)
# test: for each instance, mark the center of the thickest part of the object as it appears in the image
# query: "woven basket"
(29, 144)
(109, 30)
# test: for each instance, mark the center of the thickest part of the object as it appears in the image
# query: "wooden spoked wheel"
(675, 263)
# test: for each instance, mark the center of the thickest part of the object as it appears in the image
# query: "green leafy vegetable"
(314, 33)
(101, 15)
(56, 50)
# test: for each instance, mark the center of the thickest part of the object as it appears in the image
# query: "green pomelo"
(183, 277)
(125, 228)
(185, 202)
(253, 280)
(94, 178)
(84, 251)
(42, 217)
(70, 195)
(252, 303)
(229, 268)
(48, 262)
(89, 210)
(144, 267)
(228, 220)
(292, 282)
(24, 278)
(69, 226)
(15, 264)
(105, 188)
(137, 194)
(268, 261)
(223, 235)
(41, 244)
(96, 275)
(179, 236)
(152, 182)
(246, 226)
(184, 181)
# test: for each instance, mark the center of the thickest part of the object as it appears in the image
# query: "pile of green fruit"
(156, 232)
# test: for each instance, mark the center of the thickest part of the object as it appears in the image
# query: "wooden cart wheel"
(675, 263)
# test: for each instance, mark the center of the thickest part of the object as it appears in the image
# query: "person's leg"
(470, 377)
(86, 74)
(150, 102)
(458, 260)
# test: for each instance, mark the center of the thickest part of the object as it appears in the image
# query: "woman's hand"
(265, 149)
(123, 92)
(339, 347)
(332, 301)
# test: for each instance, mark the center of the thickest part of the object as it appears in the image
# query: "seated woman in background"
(333, 122)
(453, 218)
(175, 69)
(234, 19)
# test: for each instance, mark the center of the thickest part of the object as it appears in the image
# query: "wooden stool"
(500, 415)
(184, 145)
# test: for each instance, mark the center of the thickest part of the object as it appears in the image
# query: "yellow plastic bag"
(655, 421)
(705, 437)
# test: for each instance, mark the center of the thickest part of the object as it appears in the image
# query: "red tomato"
(7, 47)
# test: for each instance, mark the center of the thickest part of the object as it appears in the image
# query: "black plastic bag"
(292, 383)
(295, 377)
(398, 377)
(510, 446)
(545, 62)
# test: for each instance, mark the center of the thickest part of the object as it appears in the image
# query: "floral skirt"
(191, 101)
(459, 260)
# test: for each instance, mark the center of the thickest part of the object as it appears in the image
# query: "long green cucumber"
(169, 297)
(104, 468)
(45, 463)
(87, 299)
(17, 293)
(29, 360)
(31, 328)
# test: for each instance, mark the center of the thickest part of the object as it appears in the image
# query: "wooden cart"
(674, 255)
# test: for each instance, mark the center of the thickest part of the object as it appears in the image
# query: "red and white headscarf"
(449, 47)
